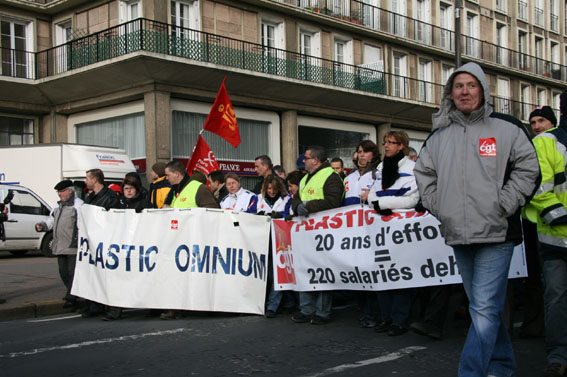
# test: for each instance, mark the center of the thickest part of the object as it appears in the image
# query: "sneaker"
(318, 320)
(555, 370)
(270, 314)
(108, 318)
(367, 323)
(170, 314)
(422, 329)
(383, 326)
(396, 330)
(299, 317)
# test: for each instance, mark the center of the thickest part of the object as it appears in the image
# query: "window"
(340, 7)
(501, 5)
(423, 22)
(556, 103)
(397, 17)
(539, 56)
(15, 43)
(310, 49)
(522, 10)
(471, 39)
(538, 13)
(343, 59)
(554, 15)
(503, 104)
(502, 44)
(26, 204)
(541, 97)
(525, 99)
(400, 75)
(127, 132)
(371, 73)
(425, 87)
(184, 16)
(555, 66)
(129, 11)
(446, 25)
(16, 131)
(523, 48)
(272, 43)
(371, 14)
(446, 72)
(63, 34)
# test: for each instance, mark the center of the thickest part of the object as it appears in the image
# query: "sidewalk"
(31, 286)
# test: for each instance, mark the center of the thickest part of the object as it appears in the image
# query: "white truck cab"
(24, 211)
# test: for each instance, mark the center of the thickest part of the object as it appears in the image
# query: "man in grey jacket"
(63, 220)
(475, 172)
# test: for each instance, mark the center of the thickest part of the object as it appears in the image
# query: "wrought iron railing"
(554, 22)
(538, 19)
(386, 21)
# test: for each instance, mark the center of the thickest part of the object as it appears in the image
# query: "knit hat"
(299, 163)
(545, 112)
(159, 168)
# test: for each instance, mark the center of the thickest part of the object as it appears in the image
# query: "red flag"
(202, 158)
(222, 120)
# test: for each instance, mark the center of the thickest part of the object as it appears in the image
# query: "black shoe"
(383, 326)
(109, 318)
(396, 330)
(69, 304)
(270, 314)
(88, 314)
(422, 329)
(299, 317)
(2, 301)
(318, 320)
(555, 370)
(287, 310)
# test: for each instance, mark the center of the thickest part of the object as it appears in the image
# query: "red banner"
(222, 120)
(202, 158)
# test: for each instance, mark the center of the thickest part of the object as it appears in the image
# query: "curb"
(10, 312)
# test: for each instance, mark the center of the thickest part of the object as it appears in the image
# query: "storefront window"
(16, 131)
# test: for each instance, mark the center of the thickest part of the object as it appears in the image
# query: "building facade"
(142, 74)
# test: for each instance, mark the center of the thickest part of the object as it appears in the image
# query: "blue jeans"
(275, 298)
(395, 306)
(318, 303)
(484, 270)
(555, 304)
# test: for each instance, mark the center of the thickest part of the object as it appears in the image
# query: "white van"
(24, 211)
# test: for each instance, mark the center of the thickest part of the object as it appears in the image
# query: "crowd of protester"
(389, 184)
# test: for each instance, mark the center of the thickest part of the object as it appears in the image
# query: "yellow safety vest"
(313, 189)
(187, 197)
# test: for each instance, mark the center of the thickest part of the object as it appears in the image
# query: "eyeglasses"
(390, 142)
(308, 158)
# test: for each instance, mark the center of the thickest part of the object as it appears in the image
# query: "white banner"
(193, 259)
(354, 248)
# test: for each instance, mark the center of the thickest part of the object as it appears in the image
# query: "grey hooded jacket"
(475, 174)
(63, 220)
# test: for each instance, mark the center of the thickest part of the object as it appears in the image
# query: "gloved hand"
(139, 209)
(380, 211)
(276, 215)
(261, 213)
(288, 217)
(107, 208)
(302, 210)
(420, 208)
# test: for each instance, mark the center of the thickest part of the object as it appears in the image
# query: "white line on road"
(92, 343)
(54, 319)
(377, 360)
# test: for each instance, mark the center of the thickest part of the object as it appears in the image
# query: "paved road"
(230, 345)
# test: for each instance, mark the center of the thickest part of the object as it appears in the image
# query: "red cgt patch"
(174, 225)
(487, 147)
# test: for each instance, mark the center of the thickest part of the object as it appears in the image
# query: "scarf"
(390, 172)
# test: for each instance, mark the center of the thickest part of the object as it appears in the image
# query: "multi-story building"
(142, 74)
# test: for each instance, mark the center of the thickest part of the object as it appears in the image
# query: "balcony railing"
(501, 5)
(399, 25)
(157, 37)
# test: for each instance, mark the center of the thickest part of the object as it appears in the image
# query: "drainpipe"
(53, 139)
(458, 47)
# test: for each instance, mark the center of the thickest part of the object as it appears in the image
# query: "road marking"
(377, 360)
(92, 343)
(54, 319)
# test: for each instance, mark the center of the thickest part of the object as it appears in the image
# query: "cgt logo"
(487, 147)
(284, 256)
(174, 225)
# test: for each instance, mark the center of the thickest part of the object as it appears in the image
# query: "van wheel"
(47, 245)
(18, 253)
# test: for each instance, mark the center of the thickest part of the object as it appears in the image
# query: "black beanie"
(545, 112)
